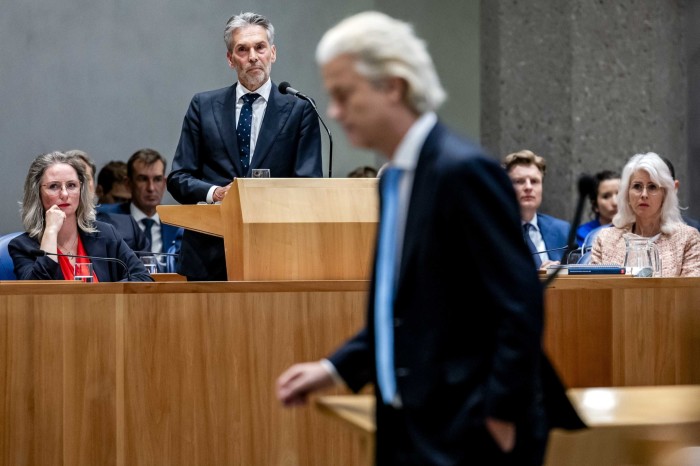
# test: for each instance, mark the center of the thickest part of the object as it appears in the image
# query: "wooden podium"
(290, 228)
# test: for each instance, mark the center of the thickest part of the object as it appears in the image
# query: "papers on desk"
(588, 269)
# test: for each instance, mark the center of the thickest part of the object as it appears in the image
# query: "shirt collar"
(263, 90)
(139, 215)
(533, 222)
(406, 154)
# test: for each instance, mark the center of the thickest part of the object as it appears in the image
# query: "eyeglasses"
(652, 189)
(55, 187)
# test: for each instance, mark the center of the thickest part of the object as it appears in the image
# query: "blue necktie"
(245, 120)
(385, 285)
(530, 245)
(148, 223)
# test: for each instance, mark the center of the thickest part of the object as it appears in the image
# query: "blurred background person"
(125, 224)
(648, 209)
(112, 187)
(603, 203)
(227, 132)
(363, 172)
(58, 214)
(146, 182)
(689, 220)
(546, 236)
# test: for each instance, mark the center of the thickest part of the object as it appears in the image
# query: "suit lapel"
(225, 116)
(276, 114)
(420, 201)
(95, 248)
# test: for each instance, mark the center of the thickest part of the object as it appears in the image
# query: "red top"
(67, 267)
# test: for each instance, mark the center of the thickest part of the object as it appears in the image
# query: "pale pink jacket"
(679, 251)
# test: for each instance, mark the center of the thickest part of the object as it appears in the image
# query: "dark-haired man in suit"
(146, 181)
(457, 383)
(231, 131)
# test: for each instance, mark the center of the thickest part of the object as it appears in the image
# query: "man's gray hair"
(386, 47)
(245, 20)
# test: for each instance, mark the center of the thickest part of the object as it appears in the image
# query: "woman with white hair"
(648, 208)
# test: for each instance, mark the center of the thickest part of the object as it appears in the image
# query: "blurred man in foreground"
(456, 383)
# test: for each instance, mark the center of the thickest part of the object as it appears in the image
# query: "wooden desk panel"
(167, 373)
(132, 374)
(624, 332)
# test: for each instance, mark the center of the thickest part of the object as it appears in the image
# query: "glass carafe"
(642, 258)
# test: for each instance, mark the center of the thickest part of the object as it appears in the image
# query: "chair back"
(588, 244)
(7, 266)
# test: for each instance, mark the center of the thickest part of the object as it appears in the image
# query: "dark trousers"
(402, 441)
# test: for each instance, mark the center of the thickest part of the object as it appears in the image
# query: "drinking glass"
(82, 272)
(150, 263)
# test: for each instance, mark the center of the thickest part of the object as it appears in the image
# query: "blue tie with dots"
(245, 120)
(386, 284)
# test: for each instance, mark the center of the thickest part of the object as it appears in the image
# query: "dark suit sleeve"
(108, 243)
(486, 214)
(29, 267)
(354, 361)
(184, 180)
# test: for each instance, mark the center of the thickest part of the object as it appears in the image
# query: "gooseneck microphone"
(586, 185)
(286, 88)
(41, 252)
(550, 250)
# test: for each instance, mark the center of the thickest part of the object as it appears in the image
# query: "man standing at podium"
(453, 335)
(228, 132)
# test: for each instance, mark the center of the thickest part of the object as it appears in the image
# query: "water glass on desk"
(151, 263)
(82, 272)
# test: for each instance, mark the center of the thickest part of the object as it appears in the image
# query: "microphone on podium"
(286, 88)
(586, 185)
(41, 252)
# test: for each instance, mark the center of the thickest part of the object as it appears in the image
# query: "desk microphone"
(41, 252)
(285, 88)
(586, 185)
(549, 250)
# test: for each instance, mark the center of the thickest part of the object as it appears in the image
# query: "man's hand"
(503, 433)
(297, 382)
(220, 193)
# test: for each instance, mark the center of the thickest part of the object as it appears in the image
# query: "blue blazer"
(167, 232)
(468, 310)
(555, 233)
(289, 144)
(127, 227)
(106, 242)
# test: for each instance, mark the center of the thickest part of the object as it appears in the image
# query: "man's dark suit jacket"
(167, 232)
(555, 233)
(468, 315)
(289, 144)
(127, 228)
(106, 242)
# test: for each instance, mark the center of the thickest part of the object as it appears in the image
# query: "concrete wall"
(584, 84)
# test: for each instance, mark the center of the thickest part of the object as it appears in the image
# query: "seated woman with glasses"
(58, 213)
(647, 207)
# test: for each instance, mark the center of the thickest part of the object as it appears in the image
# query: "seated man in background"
(111, 184)
(546, 236)
(146, 181)
(690, 221)
(125, 224)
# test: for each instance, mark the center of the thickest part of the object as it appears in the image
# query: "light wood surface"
(290, 228)
(167, 373)
(182, 373)
(624, 332)
(626, 425)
